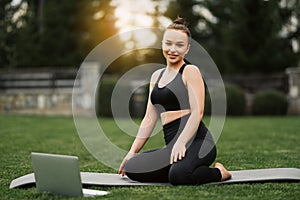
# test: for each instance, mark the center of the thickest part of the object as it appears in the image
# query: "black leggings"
(154, 165)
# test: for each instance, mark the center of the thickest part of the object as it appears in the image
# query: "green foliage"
(270, 102)
(245, 37)
(235, 99)
(7, 32)
(207, 105)
(136, 105)
(103, 106)
(46, 35)
(52, 33)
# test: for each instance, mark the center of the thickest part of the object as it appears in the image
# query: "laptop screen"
(58, 174)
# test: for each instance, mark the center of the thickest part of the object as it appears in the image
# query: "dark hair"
(180, 24)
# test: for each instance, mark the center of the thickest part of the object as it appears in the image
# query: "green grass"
(246, 143)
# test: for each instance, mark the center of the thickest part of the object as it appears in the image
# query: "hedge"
(137, 103)
(235, 97)
(270, 102)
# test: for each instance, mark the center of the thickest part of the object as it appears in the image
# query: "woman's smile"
(172, 56)
(175, 46)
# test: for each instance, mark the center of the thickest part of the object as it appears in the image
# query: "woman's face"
(175, 45)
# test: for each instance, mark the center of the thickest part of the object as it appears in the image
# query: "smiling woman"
(176, 98)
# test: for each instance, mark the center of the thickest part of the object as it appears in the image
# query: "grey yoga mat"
(240, 176)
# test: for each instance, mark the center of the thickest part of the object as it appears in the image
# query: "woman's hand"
(178, 152)
(127, 157)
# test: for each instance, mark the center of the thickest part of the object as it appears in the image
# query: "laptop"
(59, 174)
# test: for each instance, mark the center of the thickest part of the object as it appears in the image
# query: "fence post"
(89, 76)
(294, 87)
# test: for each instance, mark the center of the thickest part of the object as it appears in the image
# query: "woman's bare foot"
(224, 172)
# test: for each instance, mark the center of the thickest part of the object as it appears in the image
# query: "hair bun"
(180, 20)
(180, 24)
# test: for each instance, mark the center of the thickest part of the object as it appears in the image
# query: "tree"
(48, 35)
(256, 45)
(7, 32)
(97, 23)
(51, 32)
(243, 36)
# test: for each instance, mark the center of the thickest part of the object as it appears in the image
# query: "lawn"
(245, 143)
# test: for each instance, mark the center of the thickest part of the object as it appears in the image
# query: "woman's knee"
(135, 176)
(129, 170)
(159, 175)
(128, 165)
(178, 176)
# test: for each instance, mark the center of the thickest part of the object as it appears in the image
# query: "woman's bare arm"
(196, 92)
(148, 123)
(146, 127)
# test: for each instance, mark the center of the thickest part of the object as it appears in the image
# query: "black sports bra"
(173, 96)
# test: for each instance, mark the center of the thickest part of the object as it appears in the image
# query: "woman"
(176, 94)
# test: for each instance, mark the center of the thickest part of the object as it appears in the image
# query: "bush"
(137, 103)
(103, 107)
(207, 104)
(235, 97)
(270, 102)
(236, 100)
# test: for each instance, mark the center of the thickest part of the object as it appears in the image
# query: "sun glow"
(135, 14)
